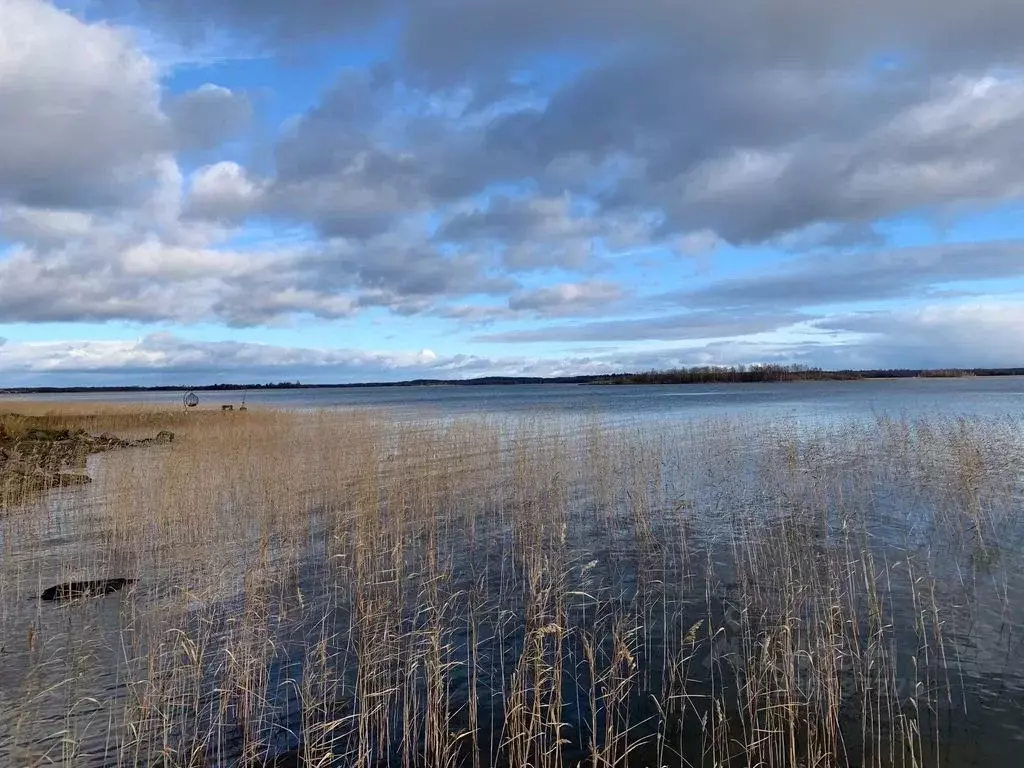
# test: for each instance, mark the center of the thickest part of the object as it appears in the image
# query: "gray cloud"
(81, 126)
(208, 116)
(822, 279)
(223, 192)
(588, 298)
(449, 38)
(692, 325)
(345, 166)
(392, 265)
(265, 21)
(568, 298)
(110, 271)
(971, 334)
(431, 183)
(529, 233)
(770, 152)
(670, 120)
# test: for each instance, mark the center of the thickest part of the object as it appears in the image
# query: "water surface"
(713, 467)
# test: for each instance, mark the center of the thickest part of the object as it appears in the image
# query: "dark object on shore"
(73, 589)
(292, 759)
(227, 407)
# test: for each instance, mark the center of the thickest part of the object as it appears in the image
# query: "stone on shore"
(39, 459)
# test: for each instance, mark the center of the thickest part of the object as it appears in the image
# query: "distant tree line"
(937, 373)
(705, 374)
(711, 374)
(738, 374)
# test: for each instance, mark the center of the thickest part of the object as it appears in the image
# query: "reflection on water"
(680, 583)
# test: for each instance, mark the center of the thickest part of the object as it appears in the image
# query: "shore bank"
(35, 458)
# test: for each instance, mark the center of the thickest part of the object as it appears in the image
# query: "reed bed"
(341, 589)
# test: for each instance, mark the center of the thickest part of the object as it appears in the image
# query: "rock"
(164, 436)
(66, 479)
(74, 589)
(48, 435)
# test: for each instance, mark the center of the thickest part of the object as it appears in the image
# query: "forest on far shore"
(705, 374)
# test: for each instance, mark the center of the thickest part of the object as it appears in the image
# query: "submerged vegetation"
(342, 589)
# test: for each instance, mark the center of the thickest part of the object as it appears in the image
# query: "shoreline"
(626, 379)
(35, 459)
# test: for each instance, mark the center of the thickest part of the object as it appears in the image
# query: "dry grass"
(131, 419)
(340, 589)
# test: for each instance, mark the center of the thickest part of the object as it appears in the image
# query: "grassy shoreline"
(343, 589)
(43, 450)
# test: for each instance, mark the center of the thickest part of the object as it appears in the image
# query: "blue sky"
(236, 191)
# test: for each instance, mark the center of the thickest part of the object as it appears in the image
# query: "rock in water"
(66, 479)
(72, 589)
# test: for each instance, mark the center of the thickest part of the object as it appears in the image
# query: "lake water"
(854, 500)
(807, 401)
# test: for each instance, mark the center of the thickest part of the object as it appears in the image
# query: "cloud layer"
(527, 176)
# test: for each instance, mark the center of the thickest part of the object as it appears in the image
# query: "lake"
(714, 575)
(809, 401)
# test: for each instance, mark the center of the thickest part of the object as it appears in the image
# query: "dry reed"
(339, 588)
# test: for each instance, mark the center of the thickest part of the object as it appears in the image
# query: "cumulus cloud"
(208, 116)
(114, 272)
(568, 298)
(82, 126)
(803, 124)
(516, 162)
(529, 233)
(223, 191)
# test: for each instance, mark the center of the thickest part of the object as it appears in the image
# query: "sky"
(374, 190)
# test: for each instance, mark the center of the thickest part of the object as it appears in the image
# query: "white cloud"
(166, 358)
(981, 333)
(223, 191)
(81, 125)
(457, 184)
(568, 298)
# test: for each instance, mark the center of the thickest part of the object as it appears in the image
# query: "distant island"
(708, 374)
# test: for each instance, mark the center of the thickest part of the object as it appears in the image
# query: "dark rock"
(164, 436)
(66, 479)
(72, 589)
